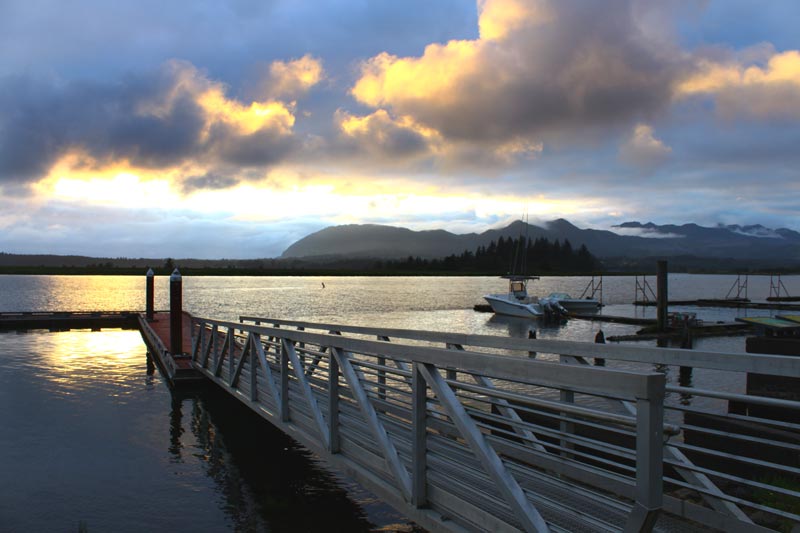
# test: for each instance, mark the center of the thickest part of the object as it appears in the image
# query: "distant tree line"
(507, 255)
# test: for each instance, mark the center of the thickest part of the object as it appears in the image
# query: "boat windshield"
(518, 288)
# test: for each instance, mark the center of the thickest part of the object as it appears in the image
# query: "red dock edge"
(177, 368)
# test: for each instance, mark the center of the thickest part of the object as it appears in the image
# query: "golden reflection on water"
(105, 293)
(75, 360)
(79, 293)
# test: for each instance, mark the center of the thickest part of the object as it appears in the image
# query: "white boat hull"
(502, 304)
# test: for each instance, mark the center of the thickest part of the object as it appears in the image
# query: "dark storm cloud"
(259, 149)
(152, 121)
(210, 180)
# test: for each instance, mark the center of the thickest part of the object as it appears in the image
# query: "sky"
(233, 128)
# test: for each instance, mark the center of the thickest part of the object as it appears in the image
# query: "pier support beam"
(176, 313)
(661, 295)
(150, 294)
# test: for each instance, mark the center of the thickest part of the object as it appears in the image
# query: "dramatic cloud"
(248, 117)
(764, 91)
(171, 117)
(538, 70)
(383, 135)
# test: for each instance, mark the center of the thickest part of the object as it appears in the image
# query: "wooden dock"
(68, 320)
(177, 368)
(635, 321)
(725, 303)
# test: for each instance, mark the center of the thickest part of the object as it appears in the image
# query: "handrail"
(695, 464)
(758, 363)
(399, 409)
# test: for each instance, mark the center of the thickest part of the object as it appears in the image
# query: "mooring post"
(150, 294)
(176, 313)
(661, 296)
(600, 338)
(532, 335)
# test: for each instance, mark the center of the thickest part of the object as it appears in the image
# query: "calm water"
(93, 438)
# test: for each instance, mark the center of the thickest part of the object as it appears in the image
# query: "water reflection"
(513, 326)
(124, 454)
(74, 361)
(267, 481)
(685, 380)
(175, 428)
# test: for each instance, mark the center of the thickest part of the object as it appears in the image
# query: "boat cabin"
(518, 285)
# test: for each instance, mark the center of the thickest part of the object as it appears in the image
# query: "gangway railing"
(594, 287)
(457, 440)
(643, 292)
(728, 466)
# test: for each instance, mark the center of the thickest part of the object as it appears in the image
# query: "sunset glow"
(461, 116)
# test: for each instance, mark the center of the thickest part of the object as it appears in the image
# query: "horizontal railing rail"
(734, 362)
(455, 439)
(728, 463)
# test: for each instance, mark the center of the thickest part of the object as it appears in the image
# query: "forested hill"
(507, 256)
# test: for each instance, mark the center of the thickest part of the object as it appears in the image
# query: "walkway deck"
(177, 368)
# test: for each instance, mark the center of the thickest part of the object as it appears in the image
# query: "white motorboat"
(517, 302)
(574, 305)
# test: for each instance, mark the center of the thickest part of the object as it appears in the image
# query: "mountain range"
(629, 243)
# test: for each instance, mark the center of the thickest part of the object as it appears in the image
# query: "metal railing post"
(419, 463)
(333, 403)
(565, 427)
(649, 463)
(284, 356)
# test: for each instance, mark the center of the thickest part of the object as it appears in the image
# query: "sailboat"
(517, 301)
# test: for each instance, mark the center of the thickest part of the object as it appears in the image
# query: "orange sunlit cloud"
(293, 78)
(247, 120)
(739, 89)
(498, 18)
(438, 74)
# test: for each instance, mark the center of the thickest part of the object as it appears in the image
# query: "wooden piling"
(661, 295)
(176, 313)
(150, 294)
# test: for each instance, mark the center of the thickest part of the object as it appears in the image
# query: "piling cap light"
(150, 273)
(176, 276)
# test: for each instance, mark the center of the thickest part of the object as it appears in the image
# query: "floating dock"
(67, 320)
(736, 302)
(177, 368)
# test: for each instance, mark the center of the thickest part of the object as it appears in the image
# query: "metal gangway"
(468, 433)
